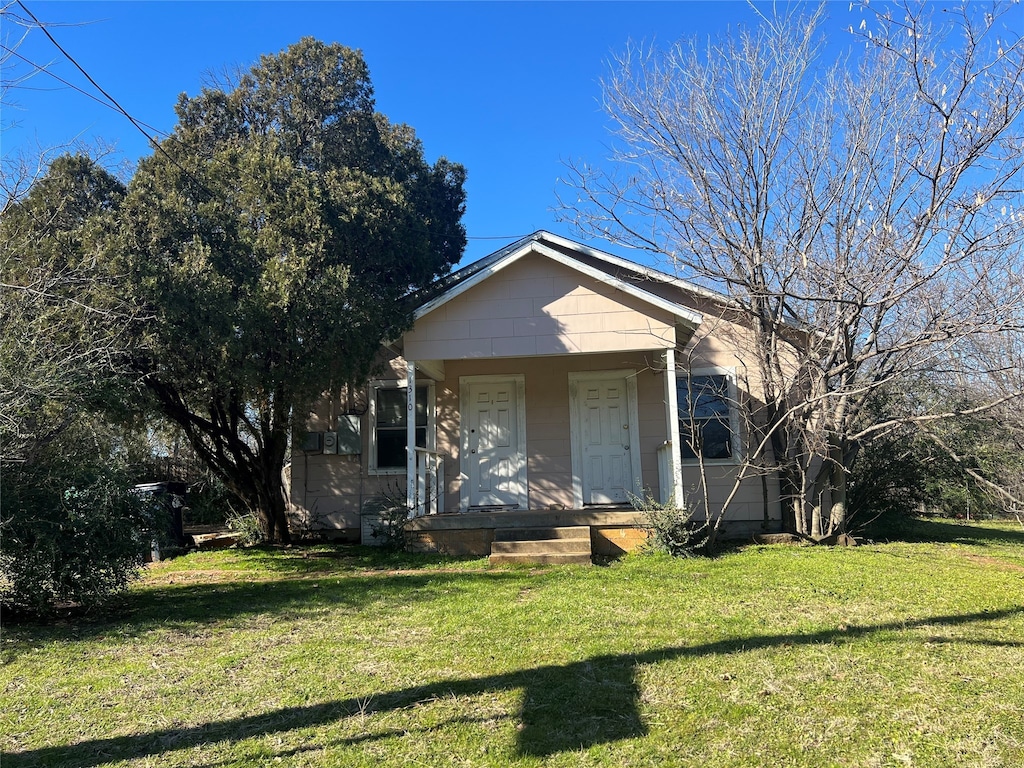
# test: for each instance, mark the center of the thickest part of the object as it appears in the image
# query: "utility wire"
(114, 103)
(72, 86)
(88, 77)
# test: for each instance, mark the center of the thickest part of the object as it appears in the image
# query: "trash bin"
(167, 502)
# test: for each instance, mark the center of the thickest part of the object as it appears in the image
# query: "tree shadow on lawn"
(193, 606)
(565, 707)
(952, 532)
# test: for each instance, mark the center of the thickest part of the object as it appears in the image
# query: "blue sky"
(510, 90)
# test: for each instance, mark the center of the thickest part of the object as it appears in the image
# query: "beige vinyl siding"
(538, 307)
(328, 491)
(543, 320)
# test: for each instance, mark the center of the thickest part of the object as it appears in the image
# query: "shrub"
(69, 538)
(245, 526)
(388, 517)
(672, 528)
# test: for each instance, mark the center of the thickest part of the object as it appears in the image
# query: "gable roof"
(620, 274)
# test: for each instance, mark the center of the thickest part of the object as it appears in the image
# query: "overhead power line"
(88, 77)
(113, 103)
(44, 70)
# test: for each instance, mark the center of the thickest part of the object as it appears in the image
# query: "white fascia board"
(647, 272)
(685, 314)
(478, 277)
(534, 243)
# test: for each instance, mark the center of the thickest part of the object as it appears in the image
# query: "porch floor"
(529, 518)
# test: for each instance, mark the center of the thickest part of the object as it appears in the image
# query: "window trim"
(371, 414)
(734, 417)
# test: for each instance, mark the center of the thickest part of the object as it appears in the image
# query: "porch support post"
(410, 434)
(672, 415)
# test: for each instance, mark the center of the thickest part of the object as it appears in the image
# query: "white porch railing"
(428, 498)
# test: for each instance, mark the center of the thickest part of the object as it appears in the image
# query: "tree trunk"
(837, 516)
(272, 512)
(792, 503)
(252, 467)
(816, 519)
(765, 502)
(789, 487)
(821, 483)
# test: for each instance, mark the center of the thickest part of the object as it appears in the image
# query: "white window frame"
(371, 413)
(734, 416)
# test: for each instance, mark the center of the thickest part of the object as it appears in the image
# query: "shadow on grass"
(953, 532)
(314, 559)
(241, 599)
(565, 707)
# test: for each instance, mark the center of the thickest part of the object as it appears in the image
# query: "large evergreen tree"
(270, 240)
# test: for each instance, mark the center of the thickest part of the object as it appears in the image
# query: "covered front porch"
(542, 385)
(552, 434)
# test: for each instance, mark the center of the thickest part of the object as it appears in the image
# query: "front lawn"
(882, 655)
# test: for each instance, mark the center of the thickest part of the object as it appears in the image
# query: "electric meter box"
(350, 436)
(330, 442)
(313, 442)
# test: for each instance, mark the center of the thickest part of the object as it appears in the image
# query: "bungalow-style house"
(546, 386)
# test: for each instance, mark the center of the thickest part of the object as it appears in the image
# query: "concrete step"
(542, 534)
(541, 545)
(553, 546)
(562, 558)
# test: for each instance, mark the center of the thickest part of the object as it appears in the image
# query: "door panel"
(603, 409)
(495, 459)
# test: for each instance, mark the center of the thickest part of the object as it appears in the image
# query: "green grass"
(890, 654)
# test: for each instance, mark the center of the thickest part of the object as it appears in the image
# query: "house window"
(707, 423)
(388, 415)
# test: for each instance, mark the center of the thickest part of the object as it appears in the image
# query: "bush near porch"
(884, 654)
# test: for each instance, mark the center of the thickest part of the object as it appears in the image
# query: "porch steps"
(567, 544)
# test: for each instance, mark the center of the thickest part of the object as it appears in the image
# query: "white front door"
(494, 442)
(605, 437)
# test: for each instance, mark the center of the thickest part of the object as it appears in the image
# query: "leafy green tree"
(968, 463)
(271, 240)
